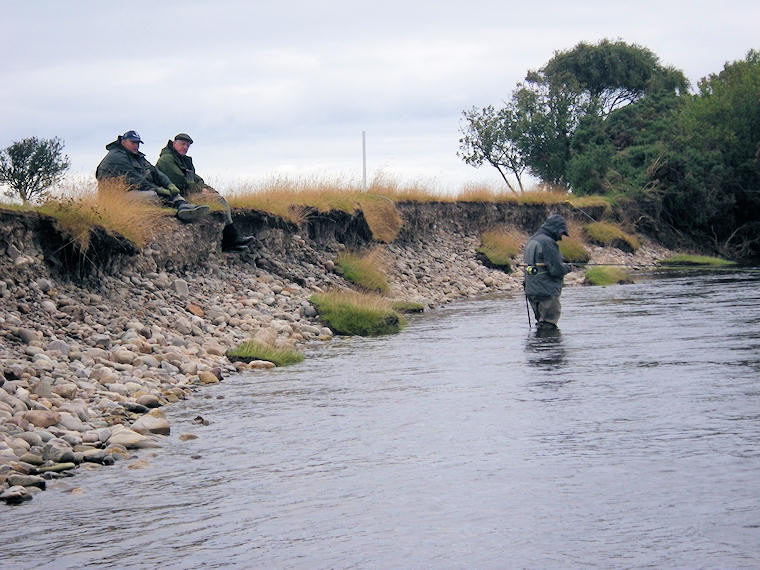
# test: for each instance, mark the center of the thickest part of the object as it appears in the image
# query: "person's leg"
(549, 311)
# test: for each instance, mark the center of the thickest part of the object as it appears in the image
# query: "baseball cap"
(131, 136)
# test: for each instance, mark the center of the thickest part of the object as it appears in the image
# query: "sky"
(286, 89)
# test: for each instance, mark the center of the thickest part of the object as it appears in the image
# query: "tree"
(490, 136)
(30, 166)
(711, 173)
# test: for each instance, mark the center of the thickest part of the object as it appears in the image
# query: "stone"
(26, 481)
(181, 287)
(207, 377)
(131, 439)
(58, 451)
(56, 467)
(153, 422)
(42, 418)
(15, 495)
(149, 401)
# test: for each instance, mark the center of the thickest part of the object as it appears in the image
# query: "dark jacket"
(542, 252)
(137, 172)
(180, 170)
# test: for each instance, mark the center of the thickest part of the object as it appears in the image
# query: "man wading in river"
(545, 271)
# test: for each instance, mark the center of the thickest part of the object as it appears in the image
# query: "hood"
(168, 149)
(555, 226)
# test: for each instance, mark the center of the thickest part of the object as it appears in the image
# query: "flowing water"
(630, 440)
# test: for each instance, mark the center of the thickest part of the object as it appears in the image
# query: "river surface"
(631, 440)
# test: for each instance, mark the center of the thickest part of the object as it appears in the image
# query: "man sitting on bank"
(175, 163)
(124, 160)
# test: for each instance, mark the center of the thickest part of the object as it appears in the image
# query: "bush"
(30, 166)
(364, 271)
(255, 350)
(610, 235)
(606, 275)
(350, 313)
(498, 247)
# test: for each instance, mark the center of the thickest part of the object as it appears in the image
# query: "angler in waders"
(545, 271)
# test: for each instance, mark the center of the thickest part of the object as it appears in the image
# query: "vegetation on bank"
(608, 119)
(573, 249)
(607, 275)
(500, 246)
(255, 350)
(696, 261)
(611, 235)
(365, 271)
(362, 314)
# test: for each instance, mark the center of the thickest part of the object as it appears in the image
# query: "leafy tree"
(490, 136)
(711, 172)
(30, 166)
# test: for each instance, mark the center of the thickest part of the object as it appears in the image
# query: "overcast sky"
(286, 88)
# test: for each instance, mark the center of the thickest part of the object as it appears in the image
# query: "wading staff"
(527, 308)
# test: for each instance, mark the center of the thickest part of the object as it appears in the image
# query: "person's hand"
(173, 189)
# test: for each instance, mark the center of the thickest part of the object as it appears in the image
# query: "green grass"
(407, 307)
(499, 247)
(610, 235)
(351, 313)
(606, 275)
(364, 271)
(696, 261)
(573, 250)
(255, 350)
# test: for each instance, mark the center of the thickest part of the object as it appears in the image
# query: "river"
(631, 440)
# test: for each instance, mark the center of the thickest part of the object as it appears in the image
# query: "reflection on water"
(631, 439)
(544, 349)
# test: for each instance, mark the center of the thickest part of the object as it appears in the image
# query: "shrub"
(365, 271)
(606, 275)
(696, 260)
(498, 247)
(351, 313)
(31, 166)
(255, 350)
(606, 234)
(573, 250)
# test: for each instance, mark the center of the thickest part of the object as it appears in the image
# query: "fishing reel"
(531, 270)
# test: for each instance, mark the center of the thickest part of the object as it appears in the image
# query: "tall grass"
(112, 207)
(696, 261)
(611, 235)
(255, 350)
(362, 314)
(500, 246)
(366, 271)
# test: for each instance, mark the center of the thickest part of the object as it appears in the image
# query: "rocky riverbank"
(93, 345)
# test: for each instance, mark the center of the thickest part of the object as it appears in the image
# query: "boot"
(233, 241)
(190, 212)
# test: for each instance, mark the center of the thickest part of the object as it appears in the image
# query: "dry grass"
(110, 206)
(500, 246)
(611, 235)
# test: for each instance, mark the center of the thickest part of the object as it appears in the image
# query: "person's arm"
(167, 166)
(553, 260)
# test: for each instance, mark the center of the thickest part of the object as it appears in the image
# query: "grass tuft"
(112, 207)
(255, 350)
(573, 250)
(366, 271)
(499, 247)
(362, 314)
(610, 235)
(607, 275)
(696, 261)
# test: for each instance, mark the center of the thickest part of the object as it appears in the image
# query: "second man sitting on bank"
(178, 166)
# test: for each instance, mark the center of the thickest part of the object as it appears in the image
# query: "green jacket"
(180, 170)
(137, 172)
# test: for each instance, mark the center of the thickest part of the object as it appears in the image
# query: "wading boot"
(191, 212)
(233, 241)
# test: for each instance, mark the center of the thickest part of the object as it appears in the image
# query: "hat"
(131, 136)
(183, 137)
